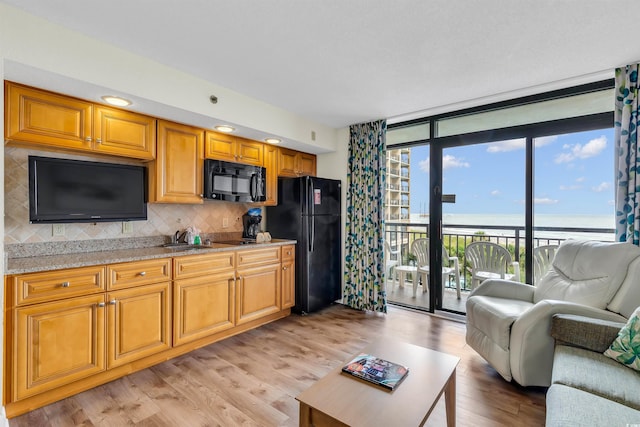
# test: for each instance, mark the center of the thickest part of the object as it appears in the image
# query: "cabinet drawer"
(288, 252)
(137, 273)
(53, 285)
(197, 265)
(259, 256)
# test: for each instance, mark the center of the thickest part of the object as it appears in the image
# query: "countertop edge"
(86, 259)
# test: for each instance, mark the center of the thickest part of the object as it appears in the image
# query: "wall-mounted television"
(68, 191)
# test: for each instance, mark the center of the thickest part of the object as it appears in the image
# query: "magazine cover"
(376, 370)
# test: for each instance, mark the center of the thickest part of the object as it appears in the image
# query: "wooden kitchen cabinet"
(138, 322)
(56, 343)
(54, 285)
(292, 163)
(114, 319)
(288, 276)
(231, 148)
(204, 292)
(123, 133)
(257, 292)
(271, 166)
(176, 175)
(49, 120)
(258, 284)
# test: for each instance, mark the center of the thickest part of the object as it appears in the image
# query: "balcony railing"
(455, 238)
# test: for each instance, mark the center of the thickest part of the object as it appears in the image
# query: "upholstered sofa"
(508, 323)
(589, 388)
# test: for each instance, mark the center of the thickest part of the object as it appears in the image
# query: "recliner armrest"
(586, 332)
(508, 289)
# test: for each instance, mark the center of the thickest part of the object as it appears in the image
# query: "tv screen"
(68, 191)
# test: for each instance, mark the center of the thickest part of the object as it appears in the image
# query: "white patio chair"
(420, 248)
(490, 261)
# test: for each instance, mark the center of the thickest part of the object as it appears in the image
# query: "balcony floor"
(404, 296)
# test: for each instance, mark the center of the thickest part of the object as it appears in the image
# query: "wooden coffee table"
(339, 399)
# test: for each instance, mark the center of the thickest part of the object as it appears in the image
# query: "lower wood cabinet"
(258, 292)
(138, 323)
(132, 315)
(288, 276)
(57, 343)
(202, 306)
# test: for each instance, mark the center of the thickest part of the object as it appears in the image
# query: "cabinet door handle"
(99, 141)
(112, 302)
(101, 304)
(284, 268)
(88, 139)
(66, 284)
(143, 273)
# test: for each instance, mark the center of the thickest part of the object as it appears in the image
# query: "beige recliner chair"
(508, 322)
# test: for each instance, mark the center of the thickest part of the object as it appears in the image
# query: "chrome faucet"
(177, 237)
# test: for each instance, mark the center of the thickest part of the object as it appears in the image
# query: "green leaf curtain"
(627, 159)
(364, 238)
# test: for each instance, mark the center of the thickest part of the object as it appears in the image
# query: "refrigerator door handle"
(310, 213)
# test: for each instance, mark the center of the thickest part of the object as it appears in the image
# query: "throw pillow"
(626, 348)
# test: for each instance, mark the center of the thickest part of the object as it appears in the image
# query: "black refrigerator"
(308, 211)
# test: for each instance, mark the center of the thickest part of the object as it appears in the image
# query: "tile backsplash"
(163, 219)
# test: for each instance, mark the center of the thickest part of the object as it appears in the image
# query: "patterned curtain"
(364, 266)
(628, 159)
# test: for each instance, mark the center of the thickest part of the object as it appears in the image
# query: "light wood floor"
(252, 379)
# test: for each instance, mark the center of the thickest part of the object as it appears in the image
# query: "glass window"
(555, 109)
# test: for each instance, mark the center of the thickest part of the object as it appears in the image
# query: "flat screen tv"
(68, 191)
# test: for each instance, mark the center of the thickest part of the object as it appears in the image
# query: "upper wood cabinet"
(50, 120)
(292, 163)
(177, 173)
(271, 166)
(123, 133)
(231, 148)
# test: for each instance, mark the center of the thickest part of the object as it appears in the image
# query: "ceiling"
(339, 62)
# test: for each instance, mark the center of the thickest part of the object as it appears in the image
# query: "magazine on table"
(377, 371)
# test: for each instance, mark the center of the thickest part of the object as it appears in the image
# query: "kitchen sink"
(183, 246)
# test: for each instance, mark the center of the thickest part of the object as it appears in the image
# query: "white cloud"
(450, 161)
(570, 187)
(581, 179)
(544, 201)
(518, 144)
(424, 165)
(503, 146)
(603, 186)
(580, 151)
(496, 192)
(544, 140)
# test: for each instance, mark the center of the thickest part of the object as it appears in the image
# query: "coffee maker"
(251, 224)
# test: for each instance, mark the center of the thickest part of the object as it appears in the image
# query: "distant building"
(398, 185)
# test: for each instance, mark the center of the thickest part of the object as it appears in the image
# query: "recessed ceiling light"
(224, 128)
(116, 100)
(273, 140)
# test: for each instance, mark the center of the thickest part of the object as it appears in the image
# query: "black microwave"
(234, 182)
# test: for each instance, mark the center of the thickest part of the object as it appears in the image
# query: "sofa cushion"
(594, 373)
(626, 347)
(570, 407)
(587, 272)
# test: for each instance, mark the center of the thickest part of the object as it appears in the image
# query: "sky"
(573, 175)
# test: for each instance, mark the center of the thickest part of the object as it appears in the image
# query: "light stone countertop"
(84, 259)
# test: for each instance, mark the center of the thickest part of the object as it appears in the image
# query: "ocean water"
(576, 222)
